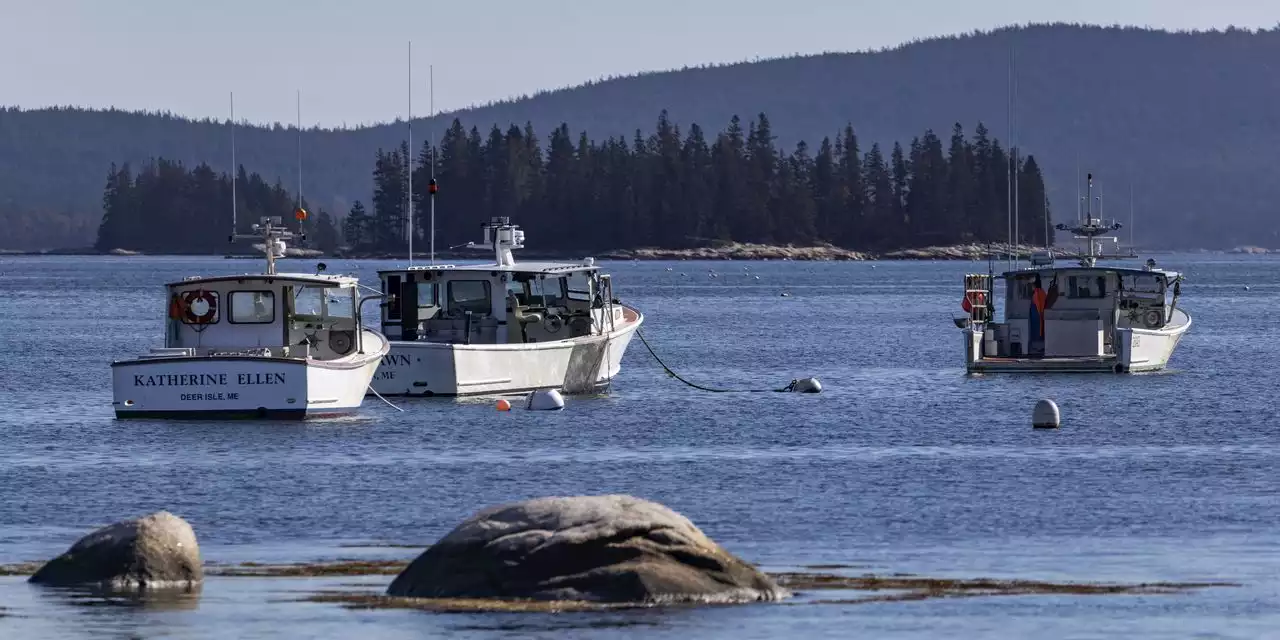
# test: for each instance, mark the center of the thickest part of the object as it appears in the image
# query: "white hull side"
(1138, 350)
(1150, 350)
(244, 386)
(580, 365)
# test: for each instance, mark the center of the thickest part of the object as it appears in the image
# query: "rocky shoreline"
(728, 251)
(546, 554)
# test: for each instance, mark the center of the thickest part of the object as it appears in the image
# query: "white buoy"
(544, 400)
(1045, 415)
(806, 385)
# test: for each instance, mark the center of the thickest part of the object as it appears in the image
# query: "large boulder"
(612, 548)
(158, 551)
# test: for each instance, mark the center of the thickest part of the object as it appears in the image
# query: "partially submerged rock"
(158, 551)
(588, 548)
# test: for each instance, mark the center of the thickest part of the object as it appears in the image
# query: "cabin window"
(470, 295)
(391, 289)
(550, 291)
(578, 286)
(340, 303)
(308, 301)
(519, 289)
(426, 294)
(1087, 286)
(253, 307)
(1144, 283)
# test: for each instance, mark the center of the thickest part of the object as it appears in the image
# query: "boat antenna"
(1008, 102)
(1088, 199)
(1046, 220)
(409, 158)
(1013, 111)
(1131, 245)
(1078, 201)
(299, 106)
(234, 169)
(1091, 228)
(431, 186)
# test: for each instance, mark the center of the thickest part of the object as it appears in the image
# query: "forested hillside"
(668, 188)
(1189, 119)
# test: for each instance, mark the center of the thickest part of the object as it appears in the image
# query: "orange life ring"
(190, 298)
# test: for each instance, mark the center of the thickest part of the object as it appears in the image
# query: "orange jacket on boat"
(1039, 298)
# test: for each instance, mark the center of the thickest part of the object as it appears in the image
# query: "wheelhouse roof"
(305, 278)
(1124, 271)
(541, 268)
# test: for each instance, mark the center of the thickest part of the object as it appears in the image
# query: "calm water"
(902, 464)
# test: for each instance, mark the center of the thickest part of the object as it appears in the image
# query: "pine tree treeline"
(674, 189)
(669, 189)
(166, 208)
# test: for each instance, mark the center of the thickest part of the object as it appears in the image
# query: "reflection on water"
(185, 599)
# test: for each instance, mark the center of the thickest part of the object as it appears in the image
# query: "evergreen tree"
(1033, 206)
(357, 228)
(850, 231)
(325, 236)
(661, 189)
(879, 198)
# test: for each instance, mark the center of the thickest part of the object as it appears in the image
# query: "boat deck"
(1079, 364)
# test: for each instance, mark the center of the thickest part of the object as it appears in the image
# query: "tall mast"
(1046, 219)
(409, 159)
(431, 78)
(1013, 111)
(1078, 201)
(1008, 101)
(234, 169)
(299, 104)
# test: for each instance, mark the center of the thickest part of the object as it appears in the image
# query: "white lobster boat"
(1080, 318)
(268, 345)
(460, 330)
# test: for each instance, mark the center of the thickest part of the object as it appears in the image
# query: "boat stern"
(207, 388)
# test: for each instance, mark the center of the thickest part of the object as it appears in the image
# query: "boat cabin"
(1071, 311)
(281, 315)
(501, 302)
(488, 304)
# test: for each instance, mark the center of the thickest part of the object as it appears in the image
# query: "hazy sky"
(349, 57)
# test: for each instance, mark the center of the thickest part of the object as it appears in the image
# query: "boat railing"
(977, 297)
(287, 351)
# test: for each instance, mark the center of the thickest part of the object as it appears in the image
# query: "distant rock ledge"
(725, 251)
(740, 251)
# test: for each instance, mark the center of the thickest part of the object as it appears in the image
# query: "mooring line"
(375, 392)
(673, 374)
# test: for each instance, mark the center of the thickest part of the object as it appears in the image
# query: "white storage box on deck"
(1073, 333)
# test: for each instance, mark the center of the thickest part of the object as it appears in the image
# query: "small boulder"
(615, 548)
(158, 551)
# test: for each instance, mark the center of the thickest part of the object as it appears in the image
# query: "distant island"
(669, 189)
(1185, 119)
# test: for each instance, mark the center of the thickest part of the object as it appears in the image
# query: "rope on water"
(675, 375)
(384, 399)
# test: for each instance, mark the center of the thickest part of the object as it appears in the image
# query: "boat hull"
(242, 387)
(581, 365)
(1137, 351)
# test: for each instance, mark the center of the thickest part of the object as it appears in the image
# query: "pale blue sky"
(349, 58)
